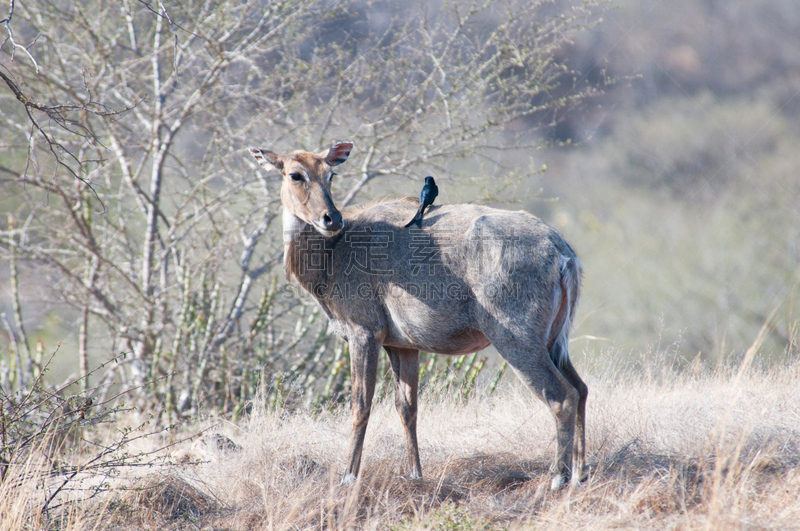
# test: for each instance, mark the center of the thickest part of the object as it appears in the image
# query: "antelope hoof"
(348, 479)
(559, 481)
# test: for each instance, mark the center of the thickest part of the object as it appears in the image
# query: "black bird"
(426, 199)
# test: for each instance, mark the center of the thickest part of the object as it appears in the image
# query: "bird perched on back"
(426, 199)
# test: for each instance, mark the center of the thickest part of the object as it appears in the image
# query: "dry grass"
(704, 449)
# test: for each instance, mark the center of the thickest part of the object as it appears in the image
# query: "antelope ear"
(267, 159)
(337, 153)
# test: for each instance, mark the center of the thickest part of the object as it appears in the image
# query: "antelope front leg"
(405, 367)
(363, 371)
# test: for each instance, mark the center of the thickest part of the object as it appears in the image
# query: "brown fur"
(290, 260)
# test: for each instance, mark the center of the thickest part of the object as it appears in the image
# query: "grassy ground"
(706, 448)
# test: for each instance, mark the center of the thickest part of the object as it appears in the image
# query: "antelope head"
(306, 187)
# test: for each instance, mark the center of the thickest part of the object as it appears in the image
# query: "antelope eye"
(296, 177)
(330, 177)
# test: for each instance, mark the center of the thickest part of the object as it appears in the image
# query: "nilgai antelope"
(470, 277)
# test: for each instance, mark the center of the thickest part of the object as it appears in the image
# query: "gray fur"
(473, 276)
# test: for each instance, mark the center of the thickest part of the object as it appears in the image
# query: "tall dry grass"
(706, 448)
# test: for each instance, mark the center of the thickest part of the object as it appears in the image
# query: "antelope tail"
(566, 298)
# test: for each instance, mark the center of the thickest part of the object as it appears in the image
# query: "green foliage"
(448, 517)
(686, 219)
(456, 374)
(694, 147)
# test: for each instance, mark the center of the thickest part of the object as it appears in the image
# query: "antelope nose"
(332, 221)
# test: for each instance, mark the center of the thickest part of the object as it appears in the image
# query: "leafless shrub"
(62, 441)
(164, 241)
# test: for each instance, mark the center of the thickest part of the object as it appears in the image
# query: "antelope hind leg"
(579, 454)
(536, 369)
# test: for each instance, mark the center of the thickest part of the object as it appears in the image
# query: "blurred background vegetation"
(135, 228)
(683, 198)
